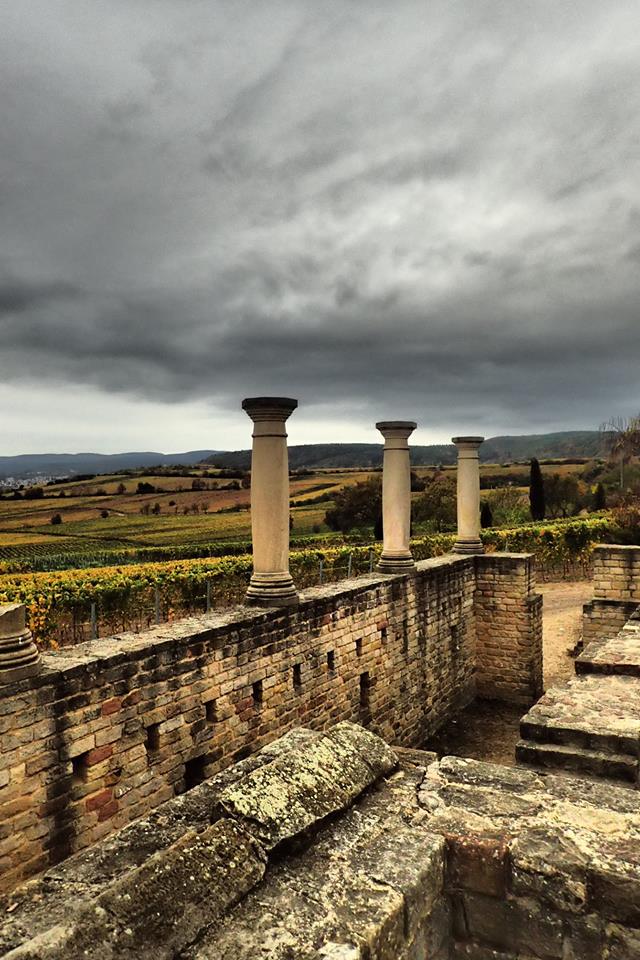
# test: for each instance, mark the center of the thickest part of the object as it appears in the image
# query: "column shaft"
(396, 497)
(271, 583)
(468, 536)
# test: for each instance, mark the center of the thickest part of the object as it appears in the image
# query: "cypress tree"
(536, 491)
(486, 516)
(599, 498)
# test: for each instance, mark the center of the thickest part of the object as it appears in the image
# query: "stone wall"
(112, 728)
(616, 590)
(509, 629)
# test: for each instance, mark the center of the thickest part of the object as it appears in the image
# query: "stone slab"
(596, 712)
(160, 907)
(286, 797)
(564, 842)
(65, 889)
(361, 890)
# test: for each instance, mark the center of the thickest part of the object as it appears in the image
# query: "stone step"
(614, 655)
(567, 757)
(591, 713)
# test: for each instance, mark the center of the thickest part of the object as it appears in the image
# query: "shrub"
(508, 507)
(626, 520)
(356, 506)
(437, 505)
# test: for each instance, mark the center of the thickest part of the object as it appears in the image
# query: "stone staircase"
(591, 726)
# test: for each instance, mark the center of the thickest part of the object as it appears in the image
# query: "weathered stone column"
(468, 538)
(396, 497)
(271, 584)
(19, 655)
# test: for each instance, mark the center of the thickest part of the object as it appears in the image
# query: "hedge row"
(131, 596)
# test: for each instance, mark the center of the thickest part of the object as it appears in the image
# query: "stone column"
(468, 538)
(396, 497)
(271, 584)
(19, 655)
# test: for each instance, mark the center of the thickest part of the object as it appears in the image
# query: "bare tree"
(622, 440)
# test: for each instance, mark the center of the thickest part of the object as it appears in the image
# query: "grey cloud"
(425, 208)
(17, 297)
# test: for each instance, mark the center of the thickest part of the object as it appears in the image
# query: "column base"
(400, 563)
(19, 657)
(468, 547)
(271, 590)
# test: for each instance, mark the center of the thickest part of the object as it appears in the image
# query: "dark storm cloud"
(422, 209)
(16, 296)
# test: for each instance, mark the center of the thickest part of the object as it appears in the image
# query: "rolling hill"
(68, 464)
(572, 443)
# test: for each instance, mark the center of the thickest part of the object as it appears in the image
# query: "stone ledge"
(286, 797)
(85, 661)
(595, 712)
(616, 655)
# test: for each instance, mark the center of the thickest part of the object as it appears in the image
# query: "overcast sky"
(426, 210)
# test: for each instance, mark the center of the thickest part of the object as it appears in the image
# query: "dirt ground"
(488, 730)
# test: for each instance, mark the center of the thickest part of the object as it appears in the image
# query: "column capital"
(262, 409)
(396, 429)
(467, 443)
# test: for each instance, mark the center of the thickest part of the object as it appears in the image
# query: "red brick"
(480, 864)
(98, 754)
(108, 810)
(111, 706)
(97, 800)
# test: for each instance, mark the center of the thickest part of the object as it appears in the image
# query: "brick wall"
(112, 728)
(602, 619)
(509, 629)
(616, 589)
(616, 573)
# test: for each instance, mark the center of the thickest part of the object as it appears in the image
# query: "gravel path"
(488, 730)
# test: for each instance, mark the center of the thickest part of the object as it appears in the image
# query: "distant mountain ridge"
(570, 443)
(31, 465)
(545, 446)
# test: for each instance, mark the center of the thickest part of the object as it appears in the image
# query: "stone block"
(480, 865)
(286, 797)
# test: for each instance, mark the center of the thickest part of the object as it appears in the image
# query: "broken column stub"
(396, 497)
(297, 790)
(468, 536)
(19, 655)
(271, 584)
